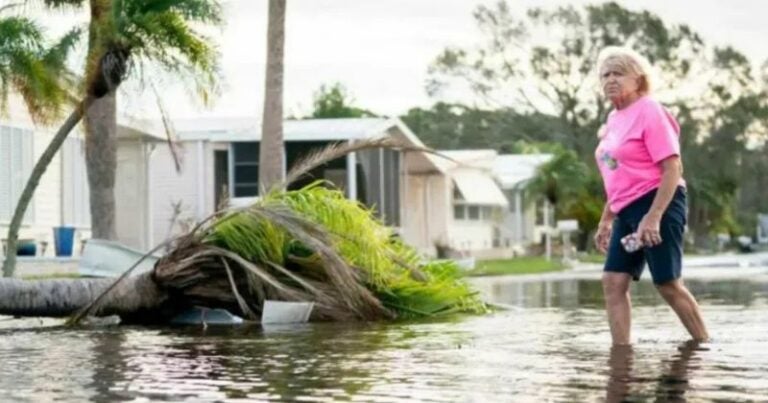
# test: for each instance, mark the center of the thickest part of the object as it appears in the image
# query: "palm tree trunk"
(101, 162)
(271, 153)
(101, 121)
(9, 265)
(135, 297)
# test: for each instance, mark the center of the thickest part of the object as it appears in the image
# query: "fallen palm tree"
(311, 244)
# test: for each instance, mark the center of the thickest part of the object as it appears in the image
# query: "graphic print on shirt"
(609, 161)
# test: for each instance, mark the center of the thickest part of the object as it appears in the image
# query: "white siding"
(130, 195)
(169, 187)
(45, 211)
(426, 211)
(75, 199)
(6, 183)
(471, 235)
(48, 194)
(16, 159)
(415, 225)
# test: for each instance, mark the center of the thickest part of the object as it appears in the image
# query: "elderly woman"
(639, 159)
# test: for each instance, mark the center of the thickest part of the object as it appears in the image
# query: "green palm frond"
(20, 33)
(311, 244)
(32, 70)
(56, 55)
(245, 234)
(360, 238)
(388, 264)
(163, 33)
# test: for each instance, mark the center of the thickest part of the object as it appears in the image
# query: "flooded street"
(552, 344)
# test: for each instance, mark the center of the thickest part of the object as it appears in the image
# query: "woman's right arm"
(604, 229)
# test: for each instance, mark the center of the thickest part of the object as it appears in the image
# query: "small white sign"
(568, 225)
(762, 228)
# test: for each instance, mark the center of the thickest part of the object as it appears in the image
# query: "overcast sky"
(381, 49)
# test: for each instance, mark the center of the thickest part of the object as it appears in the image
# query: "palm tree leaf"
(240, 300)
(30, 69)
(338, 150)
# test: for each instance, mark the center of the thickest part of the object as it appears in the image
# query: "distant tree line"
(535, 92)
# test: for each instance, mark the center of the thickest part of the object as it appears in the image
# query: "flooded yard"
(552, 344)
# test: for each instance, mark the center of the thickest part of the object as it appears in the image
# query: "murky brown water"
(553, 346)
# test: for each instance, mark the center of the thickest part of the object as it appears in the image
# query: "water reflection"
(554, 347)
(188, 363)
(619, 376)
(674, 381)
(589, 293)
(670, 386)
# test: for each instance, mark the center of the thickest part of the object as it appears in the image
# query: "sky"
(380, 50)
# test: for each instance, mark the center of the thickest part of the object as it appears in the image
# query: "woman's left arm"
(649, 228)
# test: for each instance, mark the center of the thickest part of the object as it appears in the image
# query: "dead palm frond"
(323, 156)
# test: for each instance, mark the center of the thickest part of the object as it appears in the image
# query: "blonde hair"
(628, 61)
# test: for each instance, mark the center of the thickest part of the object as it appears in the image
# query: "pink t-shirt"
(635, 141)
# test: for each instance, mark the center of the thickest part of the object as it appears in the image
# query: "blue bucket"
(63, 239)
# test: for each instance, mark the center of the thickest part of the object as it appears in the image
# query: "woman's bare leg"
(618, 306)
(685, 306)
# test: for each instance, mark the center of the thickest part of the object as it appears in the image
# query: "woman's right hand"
(603, 236)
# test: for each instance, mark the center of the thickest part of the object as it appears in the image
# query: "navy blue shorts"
(665, 259)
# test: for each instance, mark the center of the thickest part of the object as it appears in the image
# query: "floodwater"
(551, 345)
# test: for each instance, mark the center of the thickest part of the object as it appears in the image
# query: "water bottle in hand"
(632, 243)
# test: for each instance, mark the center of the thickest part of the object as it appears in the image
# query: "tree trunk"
(135, 297)
(9, 265)
(271, 153)
(101, 162)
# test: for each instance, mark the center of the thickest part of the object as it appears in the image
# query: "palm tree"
(573, 189)
(271, 155)
(124, 34)
(311, 244)
(38, 73)
(129, 31)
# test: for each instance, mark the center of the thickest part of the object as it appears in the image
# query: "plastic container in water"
(279, 312)
(102, 258)
(200, 315)
(63, 239)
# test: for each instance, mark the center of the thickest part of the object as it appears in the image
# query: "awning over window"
(477, 187)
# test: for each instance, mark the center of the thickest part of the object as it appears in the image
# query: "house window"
(75, 199)
(473, 212)
(496, 237)
(544, 213)
(15, 166)
(246, 169)
(459, 212)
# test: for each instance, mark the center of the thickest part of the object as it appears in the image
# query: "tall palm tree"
(271, 155)
(125, 34)
(121, 33)
(39, 75)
